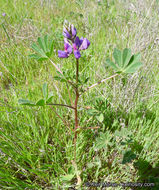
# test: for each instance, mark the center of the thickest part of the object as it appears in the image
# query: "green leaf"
(41, 44)
(46, 43)
(92, 112)
(43, 48)
(133, 67)
(45, 91)
(111, 64)
(126, 56)
(100, 117)
(86, 80)
(103, 141)
(50, 46)
(135, 58)
(58, 78)
(26, 102)
(49, 100)
(35, 56)
(38, 50)
(124, 62)
(128, 157)
(118, 57)
(96, 162)
(134, 64)
(40, 102)
(67, 177)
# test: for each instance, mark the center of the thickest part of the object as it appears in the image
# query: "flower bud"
(69, 31)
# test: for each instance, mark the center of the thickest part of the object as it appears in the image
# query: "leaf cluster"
(43, 49)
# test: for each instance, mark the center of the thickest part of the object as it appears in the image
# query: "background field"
(35, 147)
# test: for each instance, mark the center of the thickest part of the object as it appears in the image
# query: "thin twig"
(58, 69)
(99, 82)
(61, 105)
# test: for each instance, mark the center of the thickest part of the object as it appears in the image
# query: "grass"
(36, 149)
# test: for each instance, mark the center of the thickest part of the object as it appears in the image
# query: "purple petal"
(77, 54)
(65, 40)
(68, 48)
(66, 34)
(73, 30)
(4, 14)
(75, 46)
(81, 40)
(62, 54)
(85, 44)
(77, 42)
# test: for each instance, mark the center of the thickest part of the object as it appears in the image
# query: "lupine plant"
(124, 63)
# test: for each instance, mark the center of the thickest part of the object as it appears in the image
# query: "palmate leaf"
(103, 141)
(124, 62)
(43, 49)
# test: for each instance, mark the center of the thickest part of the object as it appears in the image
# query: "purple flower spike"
(72, 42)
(62, 54)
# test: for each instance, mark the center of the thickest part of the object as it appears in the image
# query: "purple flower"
(3, 14)
(67, 50)
(75, 43)
(73, 30)
(66, 34)
(80, 44)
(69, 32)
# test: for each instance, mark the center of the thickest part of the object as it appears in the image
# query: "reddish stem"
(75, 106)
